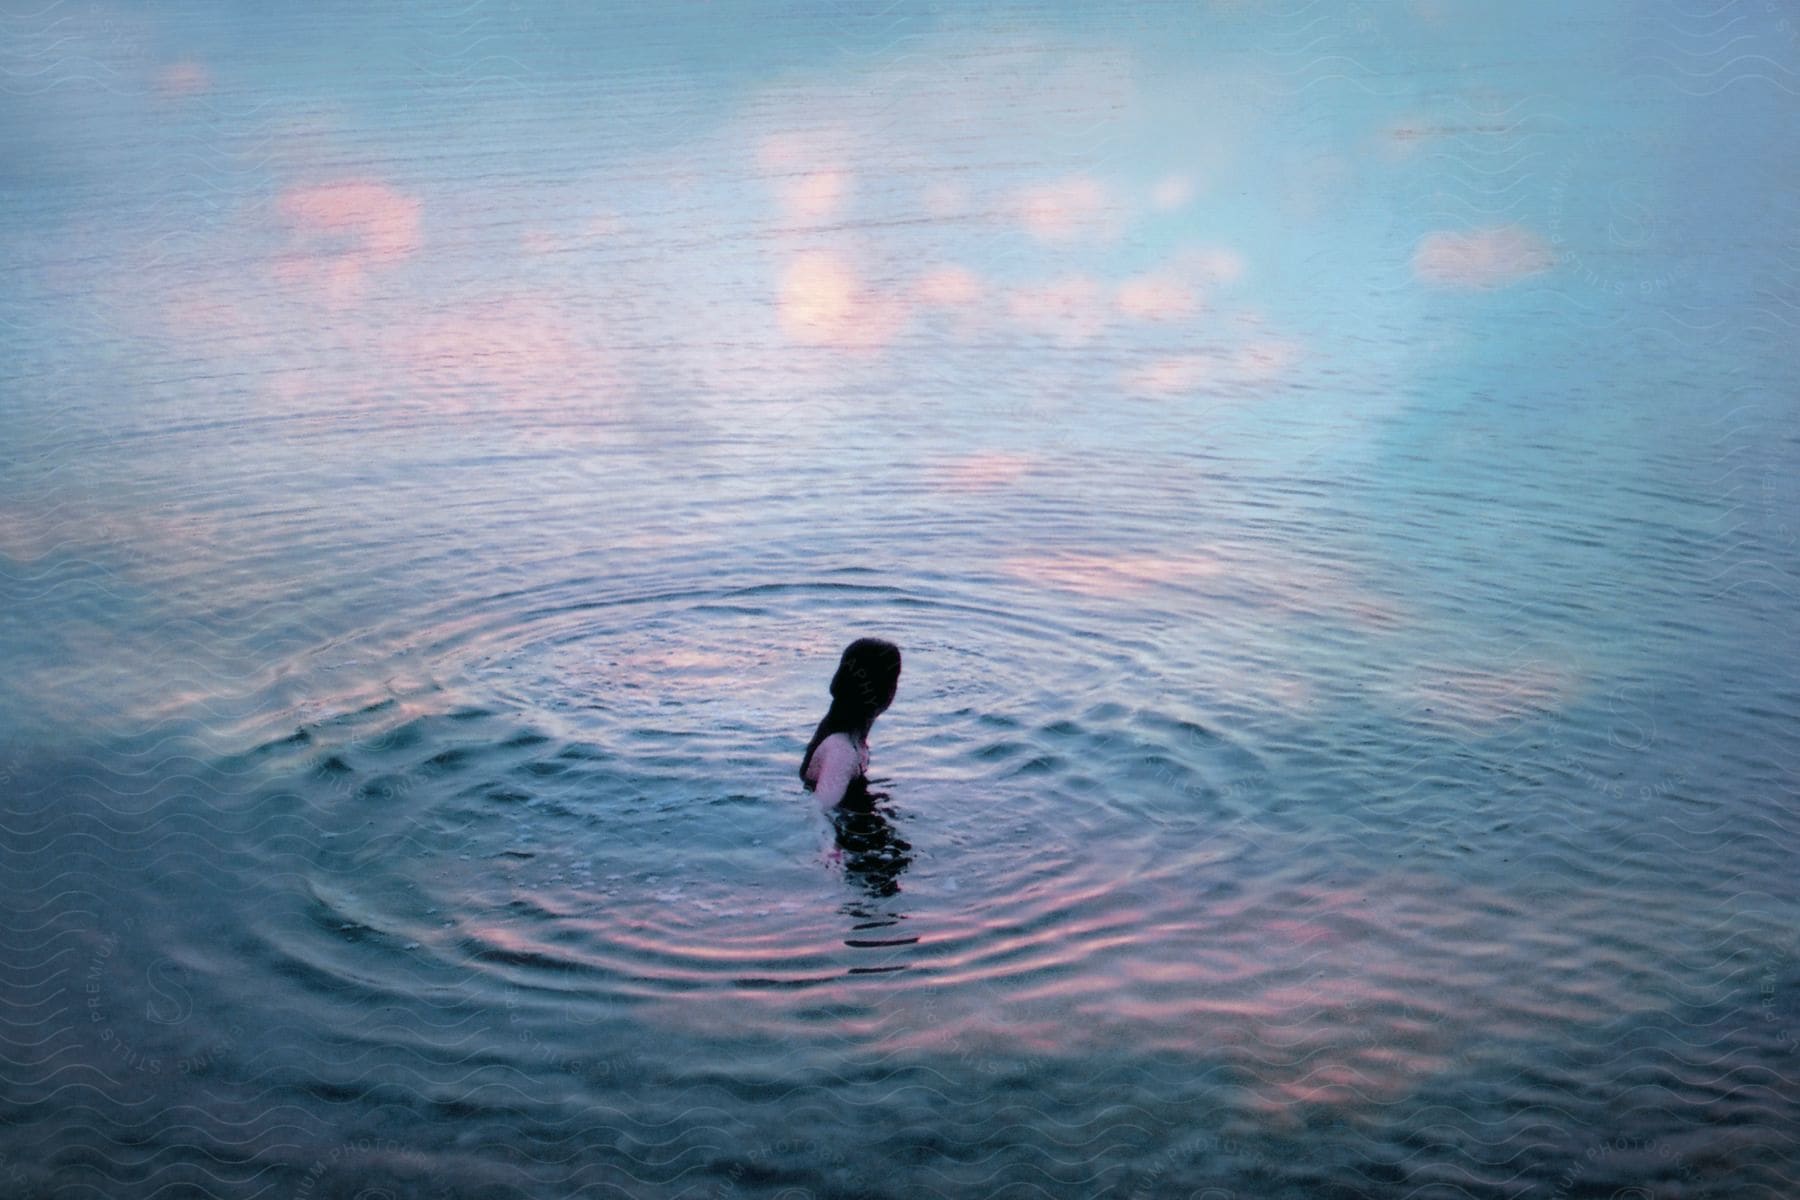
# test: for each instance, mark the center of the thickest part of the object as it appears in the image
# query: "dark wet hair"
(867, 677)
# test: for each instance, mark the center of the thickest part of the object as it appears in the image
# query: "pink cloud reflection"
(1113, 575)
(1259, 362)
(1071, 309)
(823, 301)
(183, 79)
(525, 347)
(988, 469)
(1274, 585)
(341, 231)
(1172, 192)
(1157, 297)
(1062, 210)
(1483, 259)
(949, 286)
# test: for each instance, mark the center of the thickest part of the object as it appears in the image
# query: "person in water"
(838, 755)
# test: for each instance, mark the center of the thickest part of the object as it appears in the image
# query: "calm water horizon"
(1331, 472)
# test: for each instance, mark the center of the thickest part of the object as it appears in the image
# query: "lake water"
(1331, 475)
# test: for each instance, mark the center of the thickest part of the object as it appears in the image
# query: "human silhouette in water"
(836, 764)
(867, 677)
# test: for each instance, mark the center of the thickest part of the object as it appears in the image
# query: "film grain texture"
(1330, 469)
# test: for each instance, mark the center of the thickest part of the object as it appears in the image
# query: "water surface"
(1331, 475)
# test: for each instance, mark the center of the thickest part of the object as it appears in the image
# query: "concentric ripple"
(598, 800)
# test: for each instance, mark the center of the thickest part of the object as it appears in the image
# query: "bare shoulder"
(835, 749)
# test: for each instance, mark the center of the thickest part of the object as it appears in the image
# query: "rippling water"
(1374, 777)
